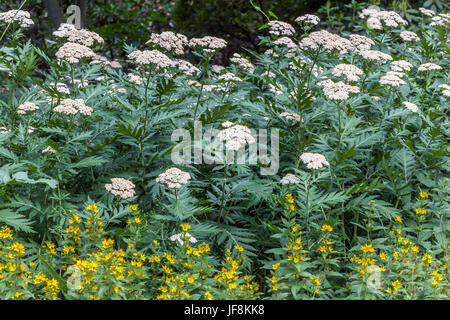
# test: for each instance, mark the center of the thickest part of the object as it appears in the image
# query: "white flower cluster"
(227, 124)
(326, 40)
(133, 78)
(48, 149)
(236, 136)
(350, 71)
(180, 237)
(279, 28)
(392, 78)
(63, 30)
(116, 89)
(81, 36)
(428, 67)
(375, 56)
(217, 68)
(229, 77)
(360, 42)
(442, 19)
(243, 63)
(169, 41)
(185, 66)
(427, 12)
(173, 178)
(208, 44)
(4, 130)
(445, 89)
(410, 106)
(409, 36)
(80, 83)
(376, 19)
(105, 62)
(276, 89)
(337, 90)
(291, 116)
(308, 19)
(285, 42)
(74, 52)
(290, 179)
(23, 18)
(268, 74)
(151, 57)
(72, 107)
(314, 160)
(27, 106)
(60, 87)
(121, 187)
(401, 65)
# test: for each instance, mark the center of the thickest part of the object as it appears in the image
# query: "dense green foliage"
(380, 200)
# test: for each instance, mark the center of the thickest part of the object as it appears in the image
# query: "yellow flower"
(427, 258)
(289, 198)
(396, 285)
(424, 195)
(133, 207)
(51, 247)
(185, 227)
(275, 266)
(421, 211)
(5, 233)
(367, 248)
(398, 219)
(208, 295)
(107, 243)
(383, 256)
(92, 208)
(327, 227)
(239, 248)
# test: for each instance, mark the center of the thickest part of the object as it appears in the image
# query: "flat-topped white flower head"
(73, 52)
(290, 179)
(21, 17)
(121, 187)
(236, 136)
(151, 57)
(169, 41)
(280, 28)
(174, 178)
(27, 107)
(314, 160)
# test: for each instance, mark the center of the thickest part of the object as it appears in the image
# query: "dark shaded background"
(132, 21)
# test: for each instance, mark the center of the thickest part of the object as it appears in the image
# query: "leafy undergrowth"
(348, 199)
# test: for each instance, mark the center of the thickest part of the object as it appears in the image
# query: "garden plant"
(118, 178)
